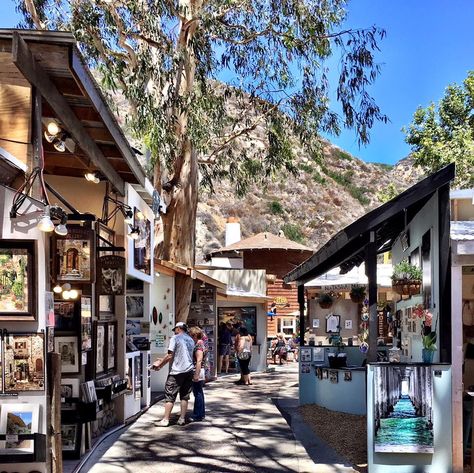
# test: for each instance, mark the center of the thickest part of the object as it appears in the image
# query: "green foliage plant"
(293, 232)
(405, 270)
(276, 208)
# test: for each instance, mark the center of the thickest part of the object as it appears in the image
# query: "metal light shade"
(61, 229)
(49, 138)
(134, 234)
(45, 223)
(128, 217)
(59, 145)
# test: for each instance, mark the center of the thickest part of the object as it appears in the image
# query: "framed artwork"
(305, 354)
(86, 323)
(347, 375)
(325, 374)
(71, 440)
(111, 275)
(318, 354)
(135, 306)
(66, 316)
(240, 316)
(49, 339)
(24, 362)
(105, 238)
(17, 419)
(100, 328)
(106, 307)
(134, 285)
(399, 426)
(73, 255)
(17, 280)
(68, 348)
(111, 344)
(133, 327)
(70, 387)
(334, 376)
(49, 308)
(319, 372)
(138, 377)
(333, 323)
(305, 368)
(142, 245)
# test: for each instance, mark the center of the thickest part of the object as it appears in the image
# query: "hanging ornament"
(154, 315)
(364, 347)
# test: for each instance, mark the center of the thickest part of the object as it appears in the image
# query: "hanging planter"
(406, 287)
(325, 301)
(406, 279)
(357, 294)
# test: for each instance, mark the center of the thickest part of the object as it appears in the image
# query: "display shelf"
(38, 455)
(111, 391)
(84, 411)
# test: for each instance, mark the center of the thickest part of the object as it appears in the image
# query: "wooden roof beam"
(37, 76)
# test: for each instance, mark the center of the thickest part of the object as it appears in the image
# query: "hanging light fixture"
(57, 289)
(66, 287)
(45, 224)
(134, 233)
(92, 177)
(53, 127)
(73, 294)
(59, 145)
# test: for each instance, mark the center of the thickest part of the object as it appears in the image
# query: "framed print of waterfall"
(403, 409)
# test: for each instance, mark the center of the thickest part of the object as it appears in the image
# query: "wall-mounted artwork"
(17, 419)
(17, 280)
(68, 348)
(106, 307)
(86, 323)
(111, 275)
(240, 316)
(24, 362)
(318, 354)
(305, 354)
(334, 376)
(403, 410)
(71, 440)
(69, 387)
(142, 245)
(111, 345)
(66, 316)
(333, 323)
(134, 306)
(100, 328)
(105, 238)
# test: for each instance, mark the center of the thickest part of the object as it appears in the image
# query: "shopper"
(200, 363)
(225, 342)
(180, 377)
(279, 348)
(243, 349)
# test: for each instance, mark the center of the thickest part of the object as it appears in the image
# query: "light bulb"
(92, 177)
(57, 289)
(66, 295)
(61, 230)
(53, 128)
(45, 223)
(73, 294)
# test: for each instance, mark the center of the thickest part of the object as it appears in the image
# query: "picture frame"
(66, 315)
(325, 374)
(49, 308)
(142, 245)
(134, 285)
(347, 375)
(333, 323)
(111, 275)
(105, 238)
(133, 327)
(135, 306)
(318, 354)
(111, 354)
(49, 339)
(138, 377)
(70, 386)
(319, 372)
(17, 419)
(106, 307)
(74, 254)
(305, 368)
(18, 266)
(333, 376)
(68, 348)
(86, 323)
(71, 435)
(305, 354)
(24, 362)
(100, 348)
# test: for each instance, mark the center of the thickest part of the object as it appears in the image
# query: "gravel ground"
(345, 433)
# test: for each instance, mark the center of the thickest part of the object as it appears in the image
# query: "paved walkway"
(244, 432)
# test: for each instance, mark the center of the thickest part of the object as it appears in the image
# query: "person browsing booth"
(180, 376)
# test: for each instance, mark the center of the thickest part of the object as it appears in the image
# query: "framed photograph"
(17, 280)
(133, 327)
(17, 419)
(319, 372)
(399, 425)
(71, 440)
(111, 275)
(68, 348)
(66, 315)
(135, 305)
(142, 245)
(348, 324)
(315, 323)
(24, 362)
(325, 374)
(111, 344)
(305, 354)
(70, 386)
(49, 339)
(105, 238)
(347, 375)
(134, 285)
(318, 354)
(73, 255)
(334, 376)
(49, 308)
(100, 334)
(86, 323)
(106, 307)
(305, 368)
(138, 377)
(237, 316)
(333, 323)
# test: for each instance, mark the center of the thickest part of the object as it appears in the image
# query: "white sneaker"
(163, 423)
(181, 421)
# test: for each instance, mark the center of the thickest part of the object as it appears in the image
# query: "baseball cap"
(181, 325)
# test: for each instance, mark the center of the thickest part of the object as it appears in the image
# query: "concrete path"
(244, 431)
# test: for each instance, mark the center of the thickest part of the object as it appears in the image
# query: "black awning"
(347, 248)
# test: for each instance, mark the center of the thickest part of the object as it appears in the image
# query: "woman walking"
(243, 349)
(200, 356)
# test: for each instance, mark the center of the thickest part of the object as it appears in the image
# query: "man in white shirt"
(180, 376)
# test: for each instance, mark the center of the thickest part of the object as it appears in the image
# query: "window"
(287, 325)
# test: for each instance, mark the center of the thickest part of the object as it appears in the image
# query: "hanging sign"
(111, 275)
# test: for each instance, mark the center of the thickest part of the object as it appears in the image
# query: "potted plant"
(428, 335)
(406, 278)
(325, 300)
(429, 347)
(357, 294)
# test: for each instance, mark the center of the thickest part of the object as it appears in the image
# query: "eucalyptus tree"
(202, 75)
(444, 132)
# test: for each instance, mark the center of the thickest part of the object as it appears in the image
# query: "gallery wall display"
(111, 275)
(18, 419)
(111, 345)
(99, 340)
(68, 348)
(71, 440)
(142, 245)
(70, 387)
(403, 412)
(105, 340)
(135, 305)
(240, 317)
(66, 316)
(24, 362)
(17, 280)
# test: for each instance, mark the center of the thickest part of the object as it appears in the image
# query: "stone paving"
(244, 431)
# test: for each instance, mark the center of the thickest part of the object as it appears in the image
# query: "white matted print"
(318, 354)
(68, 348)
(305, 354)
(70, 387)
(15, 420)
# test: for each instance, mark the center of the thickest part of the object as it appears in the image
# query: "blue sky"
(428, 45)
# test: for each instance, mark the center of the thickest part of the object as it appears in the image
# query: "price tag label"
(11, 438)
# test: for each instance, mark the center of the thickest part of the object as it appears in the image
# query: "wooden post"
(371, 270)
(54, 388)
(35, 158)
(301, 307)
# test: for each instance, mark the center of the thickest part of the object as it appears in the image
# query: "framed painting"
(74, 254)
(71, 440)
(111, 275)
(142, 245)
(16, 420)
(135, 306)
(49, 339)
(111, 345)
(68, 348)
(17, 280)
(99, 342)
(24, 362)
(86, 323)
(66, 316)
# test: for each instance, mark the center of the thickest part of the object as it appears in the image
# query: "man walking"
(180, 376)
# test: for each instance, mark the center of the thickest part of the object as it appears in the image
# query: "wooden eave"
(51, 62)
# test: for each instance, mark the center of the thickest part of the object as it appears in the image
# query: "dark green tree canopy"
(443, 133)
